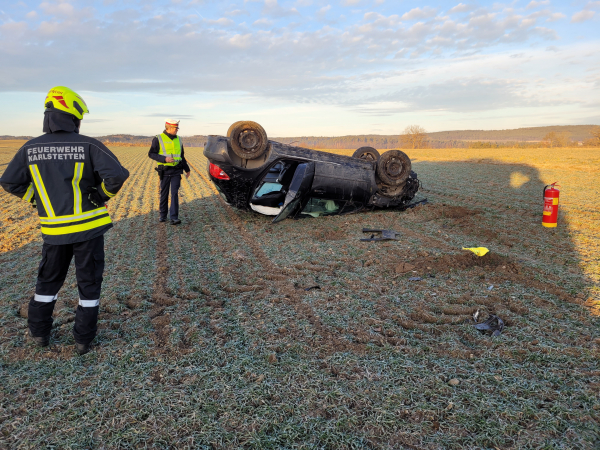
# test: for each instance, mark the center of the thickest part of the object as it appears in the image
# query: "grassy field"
(208, 338)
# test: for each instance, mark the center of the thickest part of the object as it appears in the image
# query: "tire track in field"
(161, 296)
(134, 234)
(222, 252)
(287, 292)
(224, 325)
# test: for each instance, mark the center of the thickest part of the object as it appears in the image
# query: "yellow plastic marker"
(479, 251)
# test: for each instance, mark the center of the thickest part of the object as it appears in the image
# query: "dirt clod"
(404, 267)
(24, 310)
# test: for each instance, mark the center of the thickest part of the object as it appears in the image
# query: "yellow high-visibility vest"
(170, 148)
(80, 220)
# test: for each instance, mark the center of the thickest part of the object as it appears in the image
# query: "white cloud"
(272, 8)
(222, 21)
(535, 4)
(240, 41)
(31, 15)
(582, 16)
(263, 22)
(555, 16)
(350, 2)
(418, 13)
(236, 12)
(461, 7)
(55, 9)
(323, 11)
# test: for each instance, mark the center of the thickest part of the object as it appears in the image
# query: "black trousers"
(172, 181)
(89, 266)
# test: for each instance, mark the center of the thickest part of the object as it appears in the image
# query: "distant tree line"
(413, 136)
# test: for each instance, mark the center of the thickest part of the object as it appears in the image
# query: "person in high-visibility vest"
(69, 178)
(167, 151)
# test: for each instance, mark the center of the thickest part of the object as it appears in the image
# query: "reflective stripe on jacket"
(59, 171)
(170, 148)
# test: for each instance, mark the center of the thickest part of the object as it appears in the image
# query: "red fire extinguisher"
(551, 194)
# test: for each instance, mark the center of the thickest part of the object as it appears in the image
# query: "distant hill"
(439, 139)
(533, 134)
(444, 139)
(129, 139)
(15, 138)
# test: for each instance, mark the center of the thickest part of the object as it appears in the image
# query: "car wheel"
(248, 139)
(366, 153)
(393, 167)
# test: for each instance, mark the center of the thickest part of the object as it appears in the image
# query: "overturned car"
(252, 172)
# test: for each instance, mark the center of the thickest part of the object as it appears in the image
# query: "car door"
(298, 191)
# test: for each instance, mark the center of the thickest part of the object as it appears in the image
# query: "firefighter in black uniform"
(167, 151)
(69, 177)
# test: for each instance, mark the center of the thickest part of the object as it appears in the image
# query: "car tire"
(393, 167)
(366, 153)
(232, 126)
(248, 139)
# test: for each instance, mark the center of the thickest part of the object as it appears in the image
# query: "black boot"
(82, 349)
(41, 341)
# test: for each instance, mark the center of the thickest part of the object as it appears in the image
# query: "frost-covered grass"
(208, 338)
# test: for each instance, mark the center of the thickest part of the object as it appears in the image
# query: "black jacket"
(58, 171)
(154, 153)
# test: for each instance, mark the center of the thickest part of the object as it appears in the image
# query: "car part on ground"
(386, 235)
(420, 202)
(248, 139)
(310, 288)
(479, 251)
(492, 326)
(366, 153)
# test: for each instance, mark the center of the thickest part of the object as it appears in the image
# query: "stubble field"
(209, 337)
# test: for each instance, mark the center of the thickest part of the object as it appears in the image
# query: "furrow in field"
(132, 238)
(161, 296)
(236, 280)
(200, 261)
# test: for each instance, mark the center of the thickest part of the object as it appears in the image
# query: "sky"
(302, 67)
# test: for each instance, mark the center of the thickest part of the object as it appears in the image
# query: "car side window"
(317, 207)
(266, 188)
